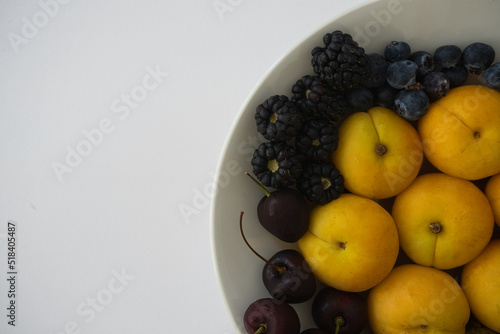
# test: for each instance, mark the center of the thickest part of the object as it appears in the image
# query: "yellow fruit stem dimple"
(435, 227)
(316, 142)
(381, 149)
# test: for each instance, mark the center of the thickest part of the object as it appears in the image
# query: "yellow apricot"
(442, 221)
(352, 243)
(379, 153)
(418, 299)
(460, 132)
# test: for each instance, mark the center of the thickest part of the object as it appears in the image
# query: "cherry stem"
(262, 329)
(279, 269)
(260, 185)
(339, 321)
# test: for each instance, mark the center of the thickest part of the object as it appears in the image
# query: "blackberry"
(316, 99)
(276, 164)
(278, 118)
(341, 63)
(317, 140)
(321, 183)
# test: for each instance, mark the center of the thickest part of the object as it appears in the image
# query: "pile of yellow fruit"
(430, 189)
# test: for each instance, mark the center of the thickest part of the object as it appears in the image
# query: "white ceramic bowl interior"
(424, 24)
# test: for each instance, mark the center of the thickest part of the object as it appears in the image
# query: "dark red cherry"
(284, 213)
(271, 316)
(286, 275)
(339, 312)
(293, 281)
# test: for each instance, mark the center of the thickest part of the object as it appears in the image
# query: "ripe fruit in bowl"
(417, 299)
(286, 275)
(492, 191)
(270, 316)
(339, 312)
(288, 278)
(283, 212)
(352, 243)
(442, 221)
(460, 132)
(481, 284)
(379, 153)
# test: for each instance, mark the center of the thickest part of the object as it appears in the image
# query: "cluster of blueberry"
(409, 81)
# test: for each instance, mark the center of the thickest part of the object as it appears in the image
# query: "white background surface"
(107, 169)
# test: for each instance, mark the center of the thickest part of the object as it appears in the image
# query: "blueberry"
(491, 77)
(447, 55)
(477, 57)
(385, 95)
(402, 74)
(397, 51)
(424, 61)
(456, 74)
(378, 69)
(360, 99)
(436, 85)
(411, 104)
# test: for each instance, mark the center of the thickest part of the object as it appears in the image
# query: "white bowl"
(424, 24)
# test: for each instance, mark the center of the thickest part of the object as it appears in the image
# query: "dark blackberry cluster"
(317, 140)
(276, 164)
(316, 99)
(341, 62)
(321, 183)
(278, 118)
(303, 129)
